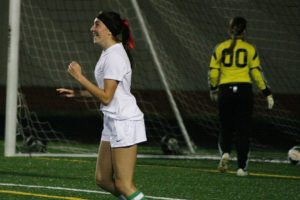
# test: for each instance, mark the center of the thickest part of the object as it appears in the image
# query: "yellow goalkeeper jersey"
(235, 67)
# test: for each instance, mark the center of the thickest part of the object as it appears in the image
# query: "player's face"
(100, 32)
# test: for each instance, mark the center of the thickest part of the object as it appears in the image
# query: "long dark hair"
(236, 28)
(119, 29)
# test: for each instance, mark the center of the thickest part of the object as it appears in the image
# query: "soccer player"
(230, 85)
(123, 122)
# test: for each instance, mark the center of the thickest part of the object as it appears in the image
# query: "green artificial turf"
(157, 178)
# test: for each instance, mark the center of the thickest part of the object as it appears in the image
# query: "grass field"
(73, 178)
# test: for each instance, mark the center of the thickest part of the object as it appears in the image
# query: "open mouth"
(95, 35)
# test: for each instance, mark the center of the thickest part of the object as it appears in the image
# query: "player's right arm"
(214, 70)
(73, 93)
(213, 74)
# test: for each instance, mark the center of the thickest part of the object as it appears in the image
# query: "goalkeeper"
(233, 63)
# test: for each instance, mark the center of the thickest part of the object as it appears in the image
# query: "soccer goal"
(46, 29)
(174, 40)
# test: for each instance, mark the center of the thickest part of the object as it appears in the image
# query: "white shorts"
(121, 133)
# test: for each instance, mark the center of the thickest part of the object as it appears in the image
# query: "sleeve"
(214, 70)
(254, 59)
(115, 68)
(261, 82)
(257, 74)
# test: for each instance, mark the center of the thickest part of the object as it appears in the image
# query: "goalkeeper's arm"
(213, 77)
(262, 85)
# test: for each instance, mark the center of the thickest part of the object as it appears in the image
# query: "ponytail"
(236, 29)
(232, 45)
(127, 40)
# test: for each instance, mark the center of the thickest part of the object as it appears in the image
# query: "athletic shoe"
(241, 172)
(223, 164)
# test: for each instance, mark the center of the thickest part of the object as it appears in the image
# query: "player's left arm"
(261, 83)
(257, 75)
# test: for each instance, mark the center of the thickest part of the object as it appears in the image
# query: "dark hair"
(236, 28)
(119, 29)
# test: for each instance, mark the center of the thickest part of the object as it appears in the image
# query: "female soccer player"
(123, 122)
(230, 84)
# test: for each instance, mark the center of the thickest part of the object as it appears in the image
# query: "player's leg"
(104, 170)
(242, 148)
(124, 161)
(226, 116)
(244, 123)
(124, 153)
(226, 107)
(225, 143)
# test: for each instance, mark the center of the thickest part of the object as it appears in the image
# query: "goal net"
(183, 35)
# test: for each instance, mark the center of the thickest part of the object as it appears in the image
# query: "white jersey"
(114, 64)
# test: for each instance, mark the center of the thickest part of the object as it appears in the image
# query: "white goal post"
(163, 78)
(12, 78)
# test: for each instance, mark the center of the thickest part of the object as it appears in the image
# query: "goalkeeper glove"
(213, 95)
(270, 101)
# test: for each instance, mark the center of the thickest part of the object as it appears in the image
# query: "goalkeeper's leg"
(226, 116)
(244, 126)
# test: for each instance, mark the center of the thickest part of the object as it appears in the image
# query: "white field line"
(76, 190)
